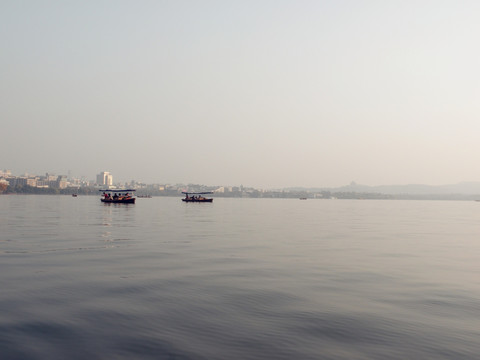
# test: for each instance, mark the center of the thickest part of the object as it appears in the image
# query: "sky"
(260, 93)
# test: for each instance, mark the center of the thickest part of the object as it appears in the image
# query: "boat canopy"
(197, 193)
(118, 190)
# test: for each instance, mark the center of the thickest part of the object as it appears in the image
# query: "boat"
(196, 196)
(144, 196)
(120, 196)
(74, 195)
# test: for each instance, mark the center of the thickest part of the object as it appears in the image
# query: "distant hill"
(463, 188)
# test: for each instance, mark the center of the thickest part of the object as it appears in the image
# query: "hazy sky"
(260, 93)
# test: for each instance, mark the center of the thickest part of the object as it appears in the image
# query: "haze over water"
(266, 94)
(238, 279)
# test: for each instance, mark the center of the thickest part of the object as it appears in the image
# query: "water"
(238, 279)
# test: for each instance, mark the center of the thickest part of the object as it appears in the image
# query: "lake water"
(238, 279)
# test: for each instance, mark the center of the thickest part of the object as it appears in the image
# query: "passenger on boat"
(115, 196)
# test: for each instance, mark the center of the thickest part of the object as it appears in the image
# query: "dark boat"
(74, 195)
(196, 196)
(120, 196)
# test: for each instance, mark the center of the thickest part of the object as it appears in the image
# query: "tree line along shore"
(25, 189)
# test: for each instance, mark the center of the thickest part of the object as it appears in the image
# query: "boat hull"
(122, 201)
(198, 200)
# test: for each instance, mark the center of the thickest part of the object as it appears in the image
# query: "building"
(5, 173)
(105, 178)
(61, 182)
(50, 177)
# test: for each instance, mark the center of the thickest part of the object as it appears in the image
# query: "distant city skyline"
(268, 94)
(107, 179)
(62, 184)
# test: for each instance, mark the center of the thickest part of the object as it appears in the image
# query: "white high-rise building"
(105, 178)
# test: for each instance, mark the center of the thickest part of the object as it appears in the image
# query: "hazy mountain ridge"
(463, 188)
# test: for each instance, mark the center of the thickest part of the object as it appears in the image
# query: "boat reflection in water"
(120, 196)
(196, 196)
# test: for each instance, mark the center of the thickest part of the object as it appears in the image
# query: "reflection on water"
(238, 279)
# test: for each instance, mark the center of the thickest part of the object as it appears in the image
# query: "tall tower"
(105, 178)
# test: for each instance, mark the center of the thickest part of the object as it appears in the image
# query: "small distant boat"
(74, 195)
(120, 196)
(304, 198)
(196, 196)
(144, 196)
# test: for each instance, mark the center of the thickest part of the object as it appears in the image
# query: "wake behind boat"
(196, 196)
(118, 196)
